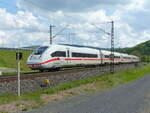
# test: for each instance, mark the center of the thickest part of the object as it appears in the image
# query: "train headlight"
(40, 57)
(31, 57)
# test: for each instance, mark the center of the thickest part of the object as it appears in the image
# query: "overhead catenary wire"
(53, 36)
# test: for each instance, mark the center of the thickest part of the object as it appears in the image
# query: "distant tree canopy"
(139, 50)
(142, 50)
(135, 52)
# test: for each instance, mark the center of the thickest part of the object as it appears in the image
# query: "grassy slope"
(108, 80)
(8, 59)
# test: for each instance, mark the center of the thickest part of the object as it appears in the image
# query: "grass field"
(8, 59)
(108, 80)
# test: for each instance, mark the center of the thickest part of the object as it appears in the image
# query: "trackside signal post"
(50, 29)
(18, 58)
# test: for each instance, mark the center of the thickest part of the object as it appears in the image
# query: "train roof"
(74, 48)
(74, 45)
(105, 50)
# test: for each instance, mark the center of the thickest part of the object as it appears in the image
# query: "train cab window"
(59, 54)
(40, 50)
(126, 57)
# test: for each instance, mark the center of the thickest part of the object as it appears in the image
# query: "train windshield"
(40, 50)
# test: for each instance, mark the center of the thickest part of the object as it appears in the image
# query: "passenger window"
(85, 55)
(107, 56)
(117, 56)
(59, 54)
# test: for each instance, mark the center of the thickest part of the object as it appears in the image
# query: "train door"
(101, 56)
(68, 56)
(62, 58)
(121, 58)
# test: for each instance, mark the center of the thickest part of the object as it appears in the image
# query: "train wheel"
(58, 69)
(41, 70)
(54, 69)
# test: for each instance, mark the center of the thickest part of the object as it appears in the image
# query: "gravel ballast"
(37, 83)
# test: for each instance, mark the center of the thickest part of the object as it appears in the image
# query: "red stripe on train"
(56, 59)
(85, 59)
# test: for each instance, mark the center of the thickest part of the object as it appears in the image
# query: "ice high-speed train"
(56, 56)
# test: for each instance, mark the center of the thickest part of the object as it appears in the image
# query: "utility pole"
(112, 48)
(50, 29)
(53, 36)
(111, 34)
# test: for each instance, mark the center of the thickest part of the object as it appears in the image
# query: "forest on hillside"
(142, 50)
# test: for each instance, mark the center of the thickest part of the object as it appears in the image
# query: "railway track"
(9, 78)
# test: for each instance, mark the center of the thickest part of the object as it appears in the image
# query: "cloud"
(2, 35)
(84, 36)
(20, 20)
(67, 5)
(31, 23)
(22, 26)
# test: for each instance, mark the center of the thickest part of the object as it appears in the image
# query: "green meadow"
(8, 59)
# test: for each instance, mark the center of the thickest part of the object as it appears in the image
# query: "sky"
(26, 22)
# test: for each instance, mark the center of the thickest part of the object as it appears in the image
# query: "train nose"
(34, 62)
(34, 66)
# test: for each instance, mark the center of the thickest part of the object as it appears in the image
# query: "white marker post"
(0, 72)
(18, 58)
(18, 77)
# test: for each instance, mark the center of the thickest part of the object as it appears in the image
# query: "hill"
(139, 50)
(142, 50)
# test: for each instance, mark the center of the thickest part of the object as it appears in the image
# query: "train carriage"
(56, 56)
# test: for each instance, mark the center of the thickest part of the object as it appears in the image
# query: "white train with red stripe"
(56, 56)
